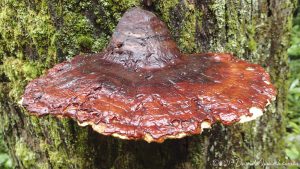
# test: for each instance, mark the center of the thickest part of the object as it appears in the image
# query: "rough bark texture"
(34, 35)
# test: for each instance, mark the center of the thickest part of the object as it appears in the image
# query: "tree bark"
(34, 35)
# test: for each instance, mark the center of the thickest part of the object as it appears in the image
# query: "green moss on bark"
(182, 17)
(26, 155)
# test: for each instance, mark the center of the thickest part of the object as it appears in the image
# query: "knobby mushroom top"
(142, 87)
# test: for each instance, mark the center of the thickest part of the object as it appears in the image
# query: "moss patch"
(28, 157)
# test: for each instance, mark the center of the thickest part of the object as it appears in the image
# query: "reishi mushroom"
(142, 87)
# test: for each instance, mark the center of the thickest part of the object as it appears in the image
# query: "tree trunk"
(35, 35)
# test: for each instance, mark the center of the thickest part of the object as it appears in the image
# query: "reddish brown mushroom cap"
(142, 87)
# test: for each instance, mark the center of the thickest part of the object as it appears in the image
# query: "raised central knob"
(142, 41)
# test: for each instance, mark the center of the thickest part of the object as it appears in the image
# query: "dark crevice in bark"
(10, 132)
(62, 135)
(218, 143)
(3, 78)
(56, 18)
(269, 11)
(252, 9)
(177, 18)
(58, 22)
(208, 29)
(226, 23)
(198, 27)
(31, 4)
(72, 124)
(90, 14)
(31, 51)
(148, 4)
(47, 158)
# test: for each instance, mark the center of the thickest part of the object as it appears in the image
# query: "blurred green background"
(293, 114)
(292, 138)
(5, 161)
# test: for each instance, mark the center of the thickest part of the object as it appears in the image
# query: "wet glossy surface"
(141, 40)
(160, 95)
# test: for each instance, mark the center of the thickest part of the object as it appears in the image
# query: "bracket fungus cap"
(142, 87)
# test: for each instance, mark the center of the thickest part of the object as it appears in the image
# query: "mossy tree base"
(34, 35)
